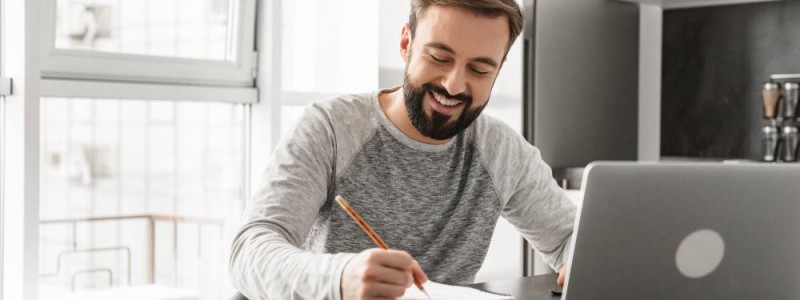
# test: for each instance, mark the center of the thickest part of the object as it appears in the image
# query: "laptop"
(687, 231)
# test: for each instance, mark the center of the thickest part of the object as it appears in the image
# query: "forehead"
(467, 33)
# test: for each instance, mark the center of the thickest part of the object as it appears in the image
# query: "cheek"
(481, 92)
(421, 71)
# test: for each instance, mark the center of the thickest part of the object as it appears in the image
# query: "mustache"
(442, 91)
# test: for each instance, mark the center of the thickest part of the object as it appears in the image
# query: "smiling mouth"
(444, 101)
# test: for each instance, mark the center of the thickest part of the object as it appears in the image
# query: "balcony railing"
(150, 247)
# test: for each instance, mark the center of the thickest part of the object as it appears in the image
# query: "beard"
(437, 125)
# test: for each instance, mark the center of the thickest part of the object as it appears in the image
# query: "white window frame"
(2, 168)
(103, 66)
(62, 88)
(266, 113)
(2, 148)
(21, 149)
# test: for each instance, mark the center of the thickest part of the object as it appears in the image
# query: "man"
(419, 163)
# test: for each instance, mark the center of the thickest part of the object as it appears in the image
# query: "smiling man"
(419, 162)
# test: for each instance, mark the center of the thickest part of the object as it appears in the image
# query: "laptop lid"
(687, 231)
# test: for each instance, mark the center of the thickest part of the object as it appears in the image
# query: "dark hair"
(489, 8)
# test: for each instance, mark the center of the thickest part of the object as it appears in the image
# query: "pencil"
(375, 238)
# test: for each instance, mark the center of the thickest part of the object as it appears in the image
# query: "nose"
(455, 81)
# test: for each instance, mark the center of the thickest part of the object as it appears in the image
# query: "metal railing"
(151, 234)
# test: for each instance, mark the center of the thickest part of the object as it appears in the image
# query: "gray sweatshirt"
(440, 203)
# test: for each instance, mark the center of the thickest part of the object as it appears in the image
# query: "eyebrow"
(440, 46)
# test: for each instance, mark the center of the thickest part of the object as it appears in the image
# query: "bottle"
(790, 100)
(790, 139)
(771, 93)
(770, 142)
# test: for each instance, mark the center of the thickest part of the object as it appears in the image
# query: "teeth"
(444, 101)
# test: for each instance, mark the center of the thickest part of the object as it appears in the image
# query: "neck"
(394, 106)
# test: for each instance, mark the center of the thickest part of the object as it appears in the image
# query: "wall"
(715, 60)
(585, 81)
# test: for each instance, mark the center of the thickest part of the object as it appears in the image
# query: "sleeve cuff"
(566, 254)
(336, 292)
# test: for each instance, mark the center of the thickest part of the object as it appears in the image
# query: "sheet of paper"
(441, 291)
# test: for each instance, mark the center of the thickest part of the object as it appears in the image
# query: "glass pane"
(290, 115)
(173, 28)
(330, 46)
(506, 100)
(138, 198)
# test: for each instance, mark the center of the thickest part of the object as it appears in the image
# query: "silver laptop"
(687, 231)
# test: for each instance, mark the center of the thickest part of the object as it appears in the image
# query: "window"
(143, 155)
(178, 41)
(327, 48)
(138, 197)
(187, 29)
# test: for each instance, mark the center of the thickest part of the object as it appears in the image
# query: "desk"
(525, 288)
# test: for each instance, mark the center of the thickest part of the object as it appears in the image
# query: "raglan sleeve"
(267, 259)
(540, 209)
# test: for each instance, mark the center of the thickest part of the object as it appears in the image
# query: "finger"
(562, 276)
(418, 273)
(380, 289)
(393, 259)
(388, 275)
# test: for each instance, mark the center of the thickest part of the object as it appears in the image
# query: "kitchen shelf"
(780, 77)
(675, 4)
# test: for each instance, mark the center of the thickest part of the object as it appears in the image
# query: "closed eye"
(438, 60)
(479, 72)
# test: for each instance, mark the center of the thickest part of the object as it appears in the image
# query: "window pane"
(171, 28)
(506, 99)
(330, 46)
(290, 115)
(138, 198)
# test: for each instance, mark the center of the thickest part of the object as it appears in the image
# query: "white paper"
(441, 291)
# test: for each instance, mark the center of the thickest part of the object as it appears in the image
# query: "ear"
(405, 42)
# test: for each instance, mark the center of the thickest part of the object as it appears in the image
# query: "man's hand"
(562, 275)
(379, 274)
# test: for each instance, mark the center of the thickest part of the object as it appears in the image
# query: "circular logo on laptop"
(700, 253)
